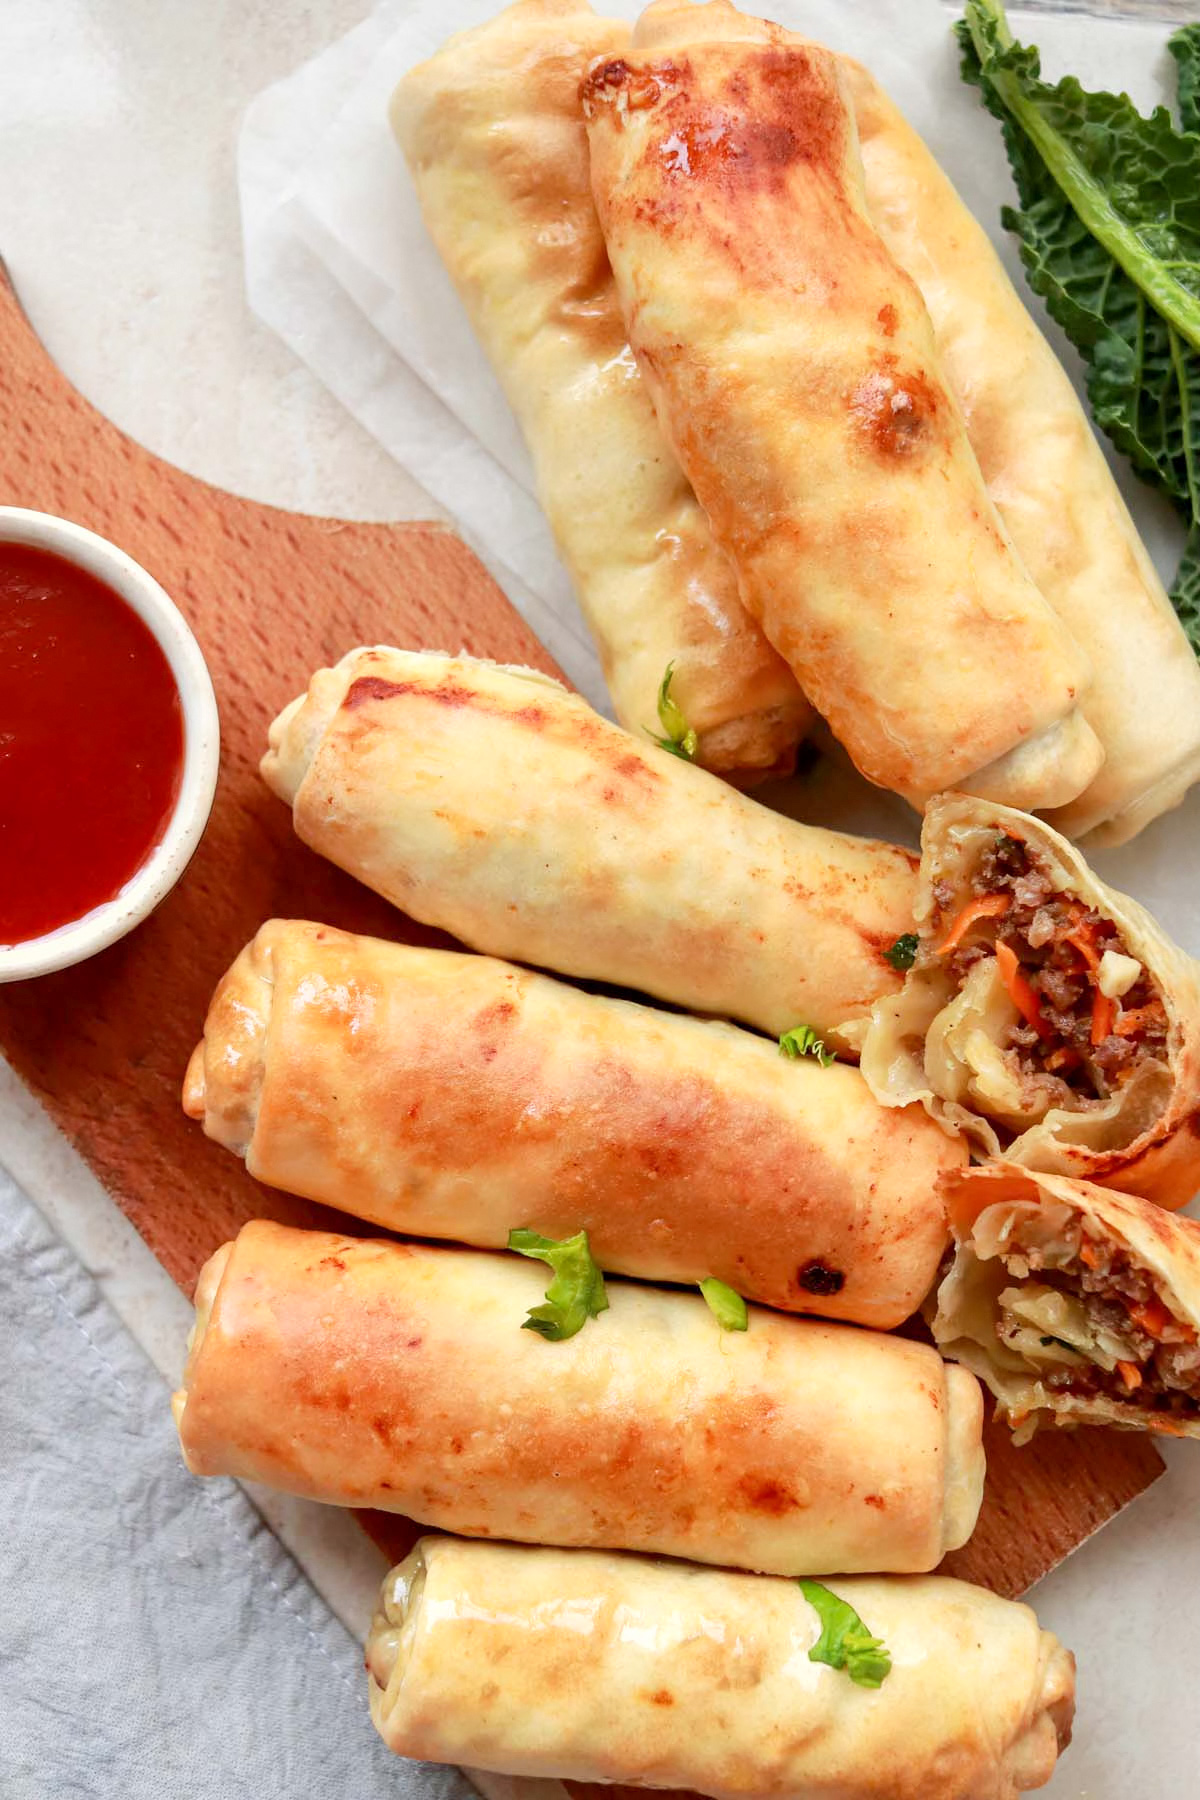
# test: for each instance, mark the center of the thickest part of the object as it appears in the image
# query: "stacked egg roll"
(1049, 479)
(400, 1376)
(1046, 1015)
(459, 1097)
(493, 132)
(494, 136)
(793, 365)
(495, 804)
(620, 1669)
(1075, 1304)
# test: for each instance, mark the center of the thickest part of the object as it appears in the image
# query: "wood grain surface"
(271, 596)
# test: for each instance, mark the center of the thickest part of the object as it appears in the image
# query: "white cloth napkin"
(155, 1638)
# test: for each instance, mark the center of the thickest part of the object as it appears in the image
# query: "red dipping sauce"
(91, 742)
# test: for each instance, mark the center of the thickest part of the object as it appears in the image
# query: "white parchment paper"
(338, 262)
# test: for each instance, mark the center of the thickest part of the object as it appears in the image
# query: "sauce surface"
(91, 742)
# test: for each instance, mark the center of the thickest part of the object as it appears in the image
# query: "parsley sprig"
(903, 953)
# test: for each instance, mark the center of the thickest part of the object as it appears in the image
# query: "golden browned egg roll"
(1076, 1305)
(400, 1376)
(1046, 1015)
(1048, 477)
(494, 136)
(621, 1669)
(793, 366)
(457, 1097)
(492, 802)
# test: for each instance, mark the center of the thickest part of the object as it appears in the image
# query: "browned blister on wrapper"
(492, 802)
(794, 367)
(452, 1096)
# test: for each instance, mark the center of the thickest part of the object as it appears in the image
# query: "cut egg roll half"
(451, 1096)
(1076, 1305)
(494, 137)
(402, 1376)
(1046, 1015)
(493, 803)
(603, 1668)
(793, 365)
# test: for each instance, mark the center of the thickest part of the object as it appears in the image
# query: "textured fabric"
(155, 1638)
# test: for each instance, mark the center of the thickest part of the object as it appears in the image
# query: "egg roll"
(493, 134)
(608, 1668)
(792, 364)
(400, 1376)
(1076, 1305)
(495, 804)
(1046, 1015)
(456, 1097)
(1049, 479)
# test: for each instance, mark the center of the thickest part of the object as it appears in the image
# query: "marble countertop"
(119, 224)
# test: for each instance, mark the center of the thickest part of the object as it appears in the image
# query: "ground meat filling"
(1161, 1373)
(1067, 1030)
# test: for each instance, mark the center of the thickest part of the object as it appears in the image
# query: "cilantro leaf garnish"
(727, 1306)
(577, 1292)
(845, 1642)
(802, 1040)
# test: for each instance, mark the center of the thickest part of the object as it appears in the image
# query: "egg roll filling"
(1046, 1298)
(1078, 1015)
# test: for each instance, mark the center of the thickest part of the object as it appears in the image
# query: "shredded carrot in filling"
(1083, 939)
(1049, 948)
(1020, 990)
(1151, 1315)
(1154, 1319)
(1141, 1018)
(1131, 1375)
(984, 906)
(1104, 1012)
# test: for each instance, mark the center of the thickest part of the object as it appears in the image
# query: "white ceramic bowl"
(156, 877)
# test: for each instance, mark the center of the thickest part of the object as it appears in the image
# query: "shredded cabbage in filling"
(1088, 1320)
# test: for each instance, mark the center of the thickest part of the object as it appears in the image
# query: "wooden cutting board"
(271, 596)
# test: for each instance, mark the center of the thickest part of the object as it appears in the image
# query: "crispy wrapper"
(793, 365)
(941, 1045)
(1049, 478)
(654, 1674)
(492, 802)
(1012, 1306)
(456, 1097)
(400, 1376)
(493, 134)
